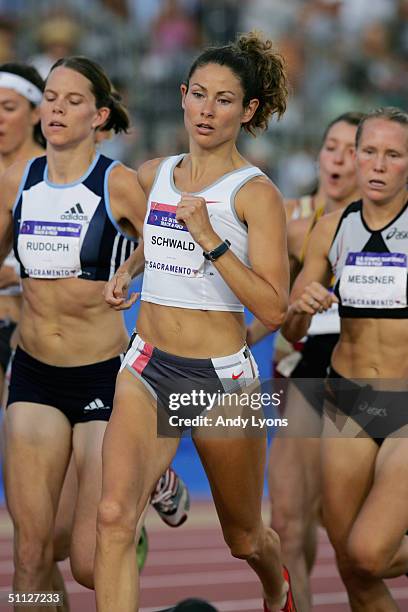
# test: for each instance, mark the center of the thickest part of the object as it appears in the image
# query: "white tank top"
(176, 272)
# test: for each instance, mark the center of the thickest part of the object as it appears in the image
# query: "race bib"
(168, 245)
(50, 249)
(327, 322)
(374, 280)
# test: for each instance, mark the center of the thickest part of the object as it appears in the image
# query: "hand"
(315, 298)
(115, 292)
(192, 212)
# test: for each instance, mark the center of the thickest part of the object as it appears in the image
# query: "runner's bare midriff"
(66, 322)
(191, 333)
(373, 348)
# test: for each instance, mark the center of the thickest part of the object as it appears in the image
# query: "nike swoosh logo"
(235, 376)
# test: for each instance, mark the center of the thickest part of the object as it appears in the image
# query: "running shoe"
(171, 499)
(142, 549)
(290, 604)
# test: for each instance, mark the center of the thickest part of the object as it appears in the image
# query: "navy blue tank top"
(68, 230)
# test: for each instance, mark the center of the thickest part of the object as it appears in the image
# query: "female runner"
(214, 241)
(364, 446)
(74, 221)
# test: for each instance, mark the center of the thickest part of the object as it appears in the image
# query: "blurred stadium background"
(342, 55)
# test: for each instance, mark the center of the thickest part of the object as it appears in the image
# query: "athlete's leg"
(235, 470)
(348, 468)
(87, 450)
(294, 489)
(63, 529)
(65, 515)
(133, 460)
(377, 544)
(38, 447)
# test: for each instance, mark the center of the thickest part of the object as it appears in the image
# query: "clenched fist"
(192, 212)
(315, 298)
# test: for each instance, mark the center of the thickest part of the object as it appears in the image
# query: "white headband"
(24, 87)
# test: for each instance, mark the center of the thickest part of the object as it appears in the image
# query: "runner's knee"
(247, 543)
(116, 518)
(291, 524)
(33, 552)
(367, 557)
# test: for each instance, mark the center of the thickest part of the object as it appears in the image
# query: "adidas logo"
(96, 404)
(75, 213)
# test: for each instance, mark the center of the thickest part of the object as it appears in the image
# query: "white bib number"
(50, 249)
(327, 322)
(374, 280)
(168, 245)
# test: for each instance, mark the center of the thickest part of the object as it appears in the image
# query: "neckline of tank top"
(224, 176)
(381, 229)
(78, 181)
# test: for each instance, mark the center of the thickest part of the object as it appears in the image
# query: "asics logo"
(236, 376)
(75, 213)
(96, 404)
(397, 234)
(379, 412)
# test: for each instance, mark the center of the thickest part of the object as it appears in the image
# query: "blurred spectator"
(357, 14)
(118, 7)
(377, 69)
(7, 40)
(341, 54)
(57, 37)
(271, 16)
(221, 20)
(174, 31)
(400, 29)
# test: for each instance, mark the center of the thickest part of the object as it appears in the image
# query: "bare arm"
(129, 191)
(128, 200)
(310, 294)
(256, 330)
(9, 184)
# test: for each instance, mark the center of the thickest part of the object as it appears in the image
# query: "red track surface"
(192, 561)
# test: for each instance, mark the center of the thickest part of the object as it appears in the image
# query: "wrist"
(120, 272)
(210, 242)
(219, 250)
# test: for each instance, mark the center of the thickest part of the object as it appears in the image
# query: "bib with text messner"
(374, 280)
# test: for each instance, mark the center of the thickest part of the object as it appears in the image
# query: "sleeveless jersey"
(370, 266)
(176, 272)
(68, 230)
